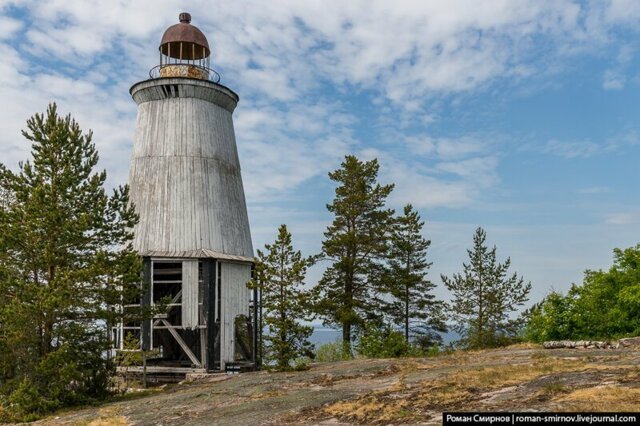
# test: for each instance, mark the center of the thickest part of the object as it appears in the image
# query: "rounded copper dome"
(184, 41)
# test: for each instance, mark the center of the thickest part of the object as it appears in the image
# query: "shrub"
(433, 350)
(27, 402)
(382, 343)
(330, 352)
(301, 364)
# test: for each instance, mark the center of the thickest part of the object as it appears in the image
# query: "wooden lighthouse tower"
(193, 233)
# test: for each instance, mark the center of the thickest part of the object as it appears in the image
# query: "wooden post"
(209, 275)
(145, 326)
(255, 320)
(144, 369)
(260, 326)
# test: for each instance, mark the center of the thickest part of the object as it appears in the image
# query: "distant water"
(322, 335)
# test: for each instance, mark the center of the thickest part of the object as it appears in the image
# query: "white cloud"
(481, 169)
(9, 27)
(409, 58)
(571, 149)
(280, 149)
(451, 184)
(625, 218)
(279, 55)
(594, 190)
(613, 80)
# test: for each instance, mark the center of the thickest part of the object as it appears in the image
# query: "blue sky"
(517, 116)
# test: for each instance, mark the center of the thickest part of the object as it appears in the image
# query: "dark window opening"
(243, 329)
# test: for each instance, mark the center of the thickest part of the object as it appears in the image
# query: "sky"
(517, 116)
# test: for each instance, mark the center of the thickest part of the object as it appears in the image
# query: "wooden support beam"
(182, 343)
(190, 287)
(203, 345)
(145, 329)
(254, 355)
(203, 334)
(209, 275)
(173, 302)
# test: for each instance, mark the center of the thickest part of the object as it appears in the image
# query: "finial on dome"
(185, 18)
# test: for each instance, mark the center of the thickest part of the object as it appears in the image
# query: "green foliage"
(132, 354)
(65, 261)
(382, 342)
(411, 305)
(426, 345)
(301, 364)
(27, 402)
(280, 273)
(331, 352)
(433, 351)
(605, 306)
(550, 319)
(484, 296)
(356, 244)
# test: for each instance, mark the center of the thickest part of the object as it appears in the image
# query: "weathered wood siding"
(235, 301)
(190, 293)
(186, 185)
(185, 173)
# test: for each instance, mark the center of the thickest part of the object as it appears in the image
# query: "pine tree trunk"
(406, 317)
(346, 339)
(346, 325)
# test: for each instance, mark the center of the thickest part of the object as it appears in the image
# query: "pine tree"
(484, 296)
(280, 272)
(412, 305)
(356, 243)
(65, 261)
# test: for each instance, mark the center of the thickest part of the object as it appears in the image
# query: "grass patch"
(554, 388)
(107, 416)
(602, 398)
(453, 391)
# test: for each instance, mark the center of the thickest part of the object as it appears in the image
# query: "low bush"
(330, 352)
(382, 343)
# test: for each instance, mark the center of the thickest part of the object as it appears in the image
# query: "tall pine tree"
(65, 261)
(484, 296)
(356, 243)
(280, 273)
(412, 305)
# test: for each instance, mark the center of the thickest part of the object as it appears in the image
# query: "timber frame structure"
(193, 234)
(181, 348)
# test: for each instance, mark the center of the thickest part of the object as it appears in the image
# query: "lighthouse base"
(201, 317)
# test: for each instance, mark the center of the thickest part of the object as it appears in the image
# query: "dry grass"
(109, 421)
(524, 345)
(369, 410)
(602, 398)
(269, 394)
(107, 416)
(393, 391)
(452, 391)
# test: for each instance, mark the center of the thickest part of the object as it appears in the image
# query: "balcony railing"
(184, 70)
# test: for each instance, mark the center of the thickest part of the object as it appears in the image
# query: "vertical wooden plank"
(235, 301)
(188, 156)
(147, 282)
(190, 293)
(254, 317)
(186, 183)
(209, 275)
